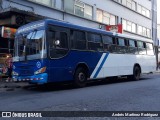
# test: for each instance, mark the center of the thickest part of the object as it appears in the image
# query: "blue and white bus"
(49, 51)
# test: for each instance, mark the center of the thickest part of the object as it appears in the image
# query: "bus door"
(58, 50)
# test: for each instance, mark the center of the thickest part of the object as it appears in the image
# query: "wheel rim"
(81, 77)
(137, 73)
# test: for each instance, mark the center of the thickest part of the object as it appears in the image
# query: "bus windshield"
(30, 46)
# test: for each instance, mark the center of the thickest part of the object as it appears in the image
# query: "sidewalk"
(10, 86)
(157, 71)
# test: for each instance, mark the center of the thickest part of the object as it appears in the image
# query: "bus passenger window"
(107, 41)
(58, 44)
(63, 41)
(141, 48)
(95, 42)
(78, 40)
(149, 49)
(132, 47)
(51, 37)
(122, 47)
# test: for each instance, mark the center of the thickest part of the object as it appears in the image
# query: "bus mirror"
(57, 42)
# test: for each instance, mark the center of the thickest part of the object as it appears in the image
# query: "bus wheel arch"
(136, 72)
(81, 74)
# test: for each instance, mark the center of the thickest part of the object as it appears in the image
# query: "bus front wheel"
(80, 77)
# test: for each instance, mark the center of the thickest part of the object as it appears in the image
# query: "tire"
(136, 73)
(80, 77)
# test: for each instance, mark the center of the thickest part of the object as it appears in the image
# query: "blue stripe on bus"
(101, 65)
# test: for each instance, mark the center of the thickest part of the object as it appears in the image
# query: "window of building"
(105, 17)
(148, 33)
(140, 31)
(124, 2)
(78, 8)
(144, 31)
(69, 6)
(148, 13)
(124, 22)
(133, 27)
(139, 8)
(129, 3)
(144, 11)
(119, 1)
(88, 11)
(99, 15)
(134, 5)
(83, 10)
(45, 2)
(129, 26)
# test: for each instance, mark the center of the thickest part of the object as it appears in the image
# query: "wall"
(107, 5)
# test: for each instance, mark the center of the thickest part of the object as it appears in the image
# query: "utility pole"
(154, 28)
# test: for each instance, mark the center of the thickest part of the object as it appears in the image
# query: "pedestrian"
(9, 64)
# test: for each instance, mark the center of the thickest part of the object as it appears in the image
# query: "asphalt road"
(120, 95)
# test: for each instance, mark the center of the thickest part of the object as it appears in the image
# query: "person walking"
(9, 64)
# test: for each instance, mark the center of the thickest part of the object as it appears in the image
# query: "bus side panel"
(63, 69)
(123, 64)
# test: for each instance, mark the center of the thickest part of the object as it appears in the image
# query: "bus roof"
(42, 23)
(70, 25)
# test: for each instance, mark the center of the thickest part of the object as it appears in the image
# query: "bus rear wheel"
(80, 77)
(136, 73)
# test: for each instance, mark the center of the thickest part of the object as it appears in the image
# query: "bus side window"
(149, 49)
(95, 42)
(122, 47)
(133, 47)
(107, 41)
(113, 47)
(78, 40)
(141, 48)
(51, 37)
(58, 42)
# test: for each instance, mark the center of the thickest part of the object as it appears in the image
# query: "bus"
(48, 51)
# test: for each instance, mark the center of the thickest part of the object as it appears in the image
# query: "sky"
(158, 11)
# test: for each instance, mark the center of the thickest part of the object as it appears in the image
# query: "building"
(135, 15)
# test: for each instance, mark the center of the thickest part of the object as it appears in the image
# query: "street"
(120, 95)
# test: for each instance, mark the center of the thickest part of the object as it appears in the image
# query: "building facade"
(136, 16)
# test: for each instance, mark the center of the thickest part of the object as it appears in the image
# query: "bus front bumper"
(35, 79)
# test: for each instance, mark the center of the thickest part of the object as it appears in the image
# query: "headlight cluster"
(42, 70)
(15, 73)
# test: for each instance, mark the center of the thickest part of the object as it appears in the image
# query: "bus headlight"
(15, 73)
(42, 70)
